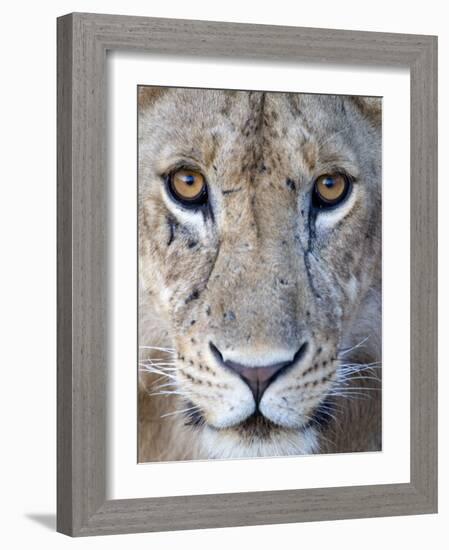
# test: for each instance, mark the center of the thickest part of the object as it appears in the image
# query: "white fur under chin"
(226, 444)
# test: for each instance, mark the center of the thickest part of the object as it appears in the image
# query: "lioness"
(259, 273)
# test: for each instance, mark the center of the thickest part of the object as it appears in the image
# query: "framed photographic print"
(246, 274)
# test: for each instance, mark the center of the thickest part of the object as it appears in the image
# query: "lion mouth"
(194, 416)
(258, 426)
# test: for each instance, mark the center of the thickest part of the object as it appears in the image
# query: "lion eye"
(330, 189)
(188, 187)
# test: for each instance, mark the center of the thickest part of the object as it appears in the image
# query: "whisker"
(320, 410)
(161, 360)
(352, 377)
(336, 407)
(361, 370)
(359, 366)
(180, 411)
(158, 364)
(162, 386)
(168, 350)
(166, 371)
(154, 370)
(159, 380)
(170, 392)
(352, 396)
(310, 419)
(349, 389)
(347, 350)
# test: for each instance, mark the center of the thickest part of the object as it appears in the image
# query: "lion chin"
(257, 437)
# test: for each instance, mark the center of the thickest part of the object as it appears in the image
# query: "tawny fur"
(258, 274)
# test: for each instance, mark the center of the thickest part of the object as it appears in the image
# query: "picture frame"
(83, 41)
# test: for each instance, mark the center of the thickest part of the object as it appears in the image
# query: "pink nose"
(257, 378)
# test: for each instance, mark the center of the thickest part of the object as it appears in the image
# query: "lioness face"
(259, 240)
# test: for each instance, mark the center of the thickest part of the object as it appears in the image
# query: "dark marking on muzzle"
(290, 184)
(172, 227)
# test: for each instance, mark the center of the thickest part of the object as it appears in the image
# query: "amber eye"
(188, 187)
(330, 189)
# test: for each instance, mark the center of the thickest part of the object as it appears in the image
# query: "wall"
(27, 292)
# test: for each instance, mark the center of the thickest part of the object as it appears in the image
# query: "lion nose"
(258, 378)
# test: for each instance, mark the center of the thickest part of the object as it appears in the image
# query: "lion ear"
(370, 107)
(148, 95)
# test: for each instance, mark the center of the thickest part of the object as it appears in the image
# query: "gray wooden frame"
(83, 40)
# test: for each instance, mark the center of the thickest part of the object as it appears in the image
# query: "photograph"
(259, 274)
